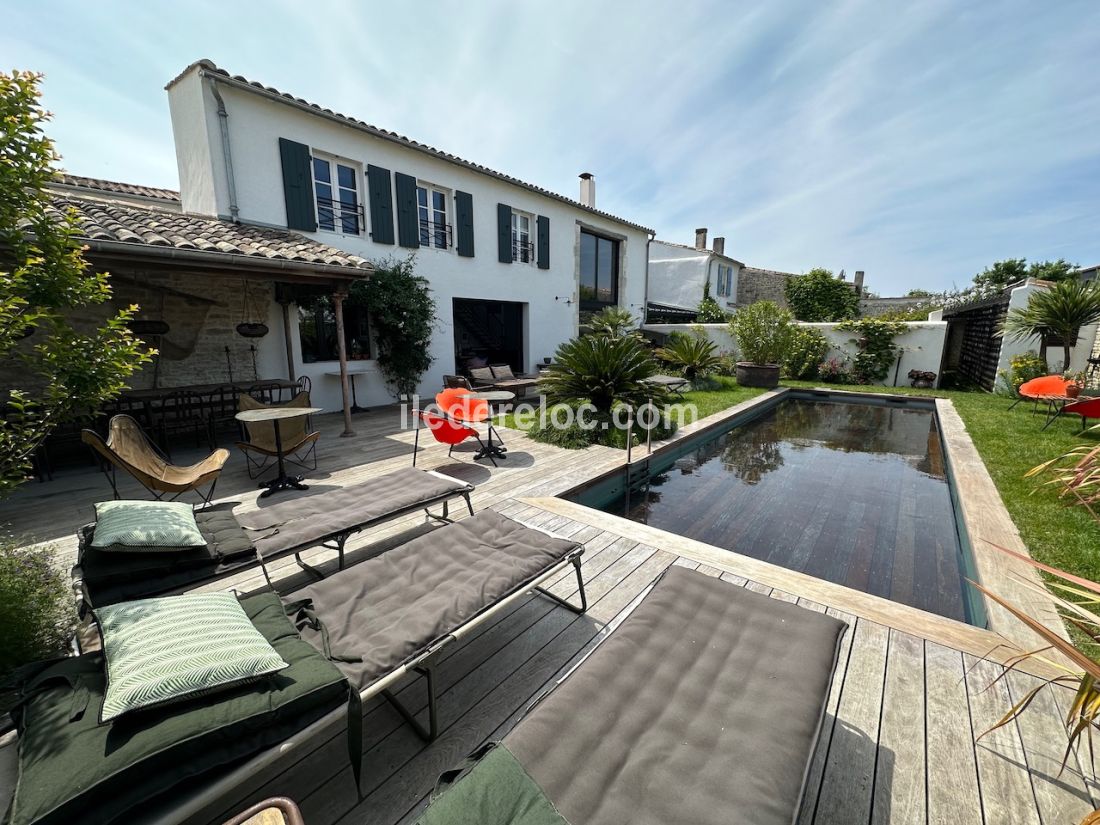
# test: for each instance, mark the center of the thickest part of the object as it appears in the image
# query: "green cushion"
(146, 525)
(496, 791)
(177, 647)
(117, 770)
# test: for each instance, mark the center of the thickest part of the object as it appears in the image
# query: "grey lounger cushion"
(309, 519)
(391, 607)
(703, 707)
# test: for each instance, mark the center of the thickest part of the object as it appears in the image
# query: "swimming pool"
(854, 491)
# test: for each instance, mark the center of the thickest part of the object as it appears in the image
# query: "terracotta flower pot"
(757, 375)
(1072, 391)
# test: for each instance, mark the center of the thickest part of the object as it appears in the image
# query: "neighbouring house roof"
(100, 185)
(702, 252)
(272, 93)
(111, 226)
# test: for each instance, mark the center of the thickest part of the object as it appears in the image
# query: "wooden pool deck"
(911, 693)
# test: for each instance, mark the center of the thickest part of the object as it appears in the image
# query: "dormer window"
(335, 189)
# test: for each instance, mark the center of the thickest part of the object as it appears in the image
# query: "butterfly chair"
(298, 437)
(127, 447)
(446, 431)
(458, 405)
(1042, 388)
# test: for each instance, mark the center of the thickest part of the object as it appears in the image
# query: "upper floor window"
(599, 275)
(317, 330)
(431, 206)
(523, 243)
(335, 188)
(724, 278)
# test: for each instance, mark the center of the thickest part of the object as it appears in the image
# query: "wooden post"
(289, 343)
(338, 308)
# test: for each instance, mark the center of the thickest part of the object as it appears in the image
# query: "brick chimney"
(701, 238)
(720, 246)
(857, 282)
(588, 189)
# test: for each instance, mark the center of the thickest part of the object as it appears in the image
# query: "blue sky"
(918, 141)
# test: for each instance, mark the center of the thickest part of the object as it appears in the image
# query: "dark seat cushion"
(72, 769)
(389, 608)
(306, 519)
(704, 706)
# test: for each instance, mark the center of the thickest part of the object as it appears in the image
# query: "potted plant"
(1078, 378)
(763, 332)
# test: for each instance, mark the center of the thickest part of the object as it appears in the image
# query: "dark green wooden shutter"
(381, 204)
(464, 224)
(543, 223)
(297, 185)
(408, 225)
(504, 233)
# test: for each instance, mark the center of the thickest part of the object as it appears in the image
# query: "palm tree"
(1058, 312)
(693, 355)
(614, 322)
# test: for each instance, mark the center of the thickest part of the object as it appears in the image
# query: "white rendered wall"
(921, 344)
(550, 296)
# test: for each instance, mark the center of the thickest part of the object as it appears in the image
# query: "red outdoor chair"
(1042, 388)
(1086, 408)
(446, 431)
(456, 404)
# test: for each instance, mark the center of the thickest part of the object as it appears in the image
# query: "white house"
(511, 265)
(679, 274)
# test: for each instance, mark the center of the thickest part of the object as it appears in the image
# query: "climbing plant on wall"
(876, 351)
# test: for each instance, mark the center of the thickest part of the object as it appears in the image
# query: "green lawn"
(1010, 442)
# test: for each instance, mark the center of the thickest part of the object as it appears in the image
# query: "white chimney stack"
(701, 238)
(588, 189)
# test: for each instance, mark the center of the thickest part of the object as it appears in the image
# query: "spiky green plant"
(1058, 312)
(614, 322)
(694, 355)
(603, 371)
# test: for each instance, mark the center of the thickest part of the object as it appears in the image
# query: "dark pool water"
(855, 493)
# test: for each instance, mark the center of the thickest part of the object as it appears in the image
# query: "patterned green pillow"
(145, 525)
(178, 647)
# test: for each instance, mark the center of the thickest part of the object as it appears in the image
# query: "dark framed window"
(599, 277)
(317, 331)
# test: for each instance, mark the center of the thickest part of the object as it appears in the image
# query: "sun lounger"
(238, 542)
(393, 614)
(704, 706)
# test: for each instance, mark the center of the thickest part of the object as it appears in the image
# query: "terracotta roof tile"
(120, 188)
(105, 220)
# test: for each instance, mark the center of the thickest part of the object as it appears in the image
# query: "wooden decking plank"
(900, 771)
(1061, 795)
(817, 765)
(953, 794)
(1003, 779)
(848, 780)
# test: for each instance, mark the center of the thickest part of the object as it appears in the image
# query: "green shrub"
(834, 371)
(876, 350)
(603, 371)
(36, 619)
(1022, 368)
(693, 355)
(710, 312)
(613, 322)
(805, 353)
(818, 296)
(763, 332)
(573, 437)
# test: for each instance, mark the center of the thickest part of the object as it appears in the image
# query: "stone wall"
(761, 285)
(202, 313)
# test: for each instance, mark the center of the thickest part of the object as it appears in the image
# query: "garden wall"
(921, 344)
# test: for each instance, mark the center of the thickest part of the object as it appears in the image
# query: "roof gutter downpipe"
(223, 122)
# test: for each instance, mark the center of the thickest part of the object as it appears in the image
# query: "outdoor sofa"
(365, 627)
(703, 707)
(238, 542)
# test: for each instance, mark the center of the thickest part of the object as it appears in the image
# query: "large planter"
(757, 375)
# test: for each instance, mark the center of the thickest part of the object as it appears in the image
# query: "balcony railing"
(337, 215)
(523, 251)
(438, 235)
